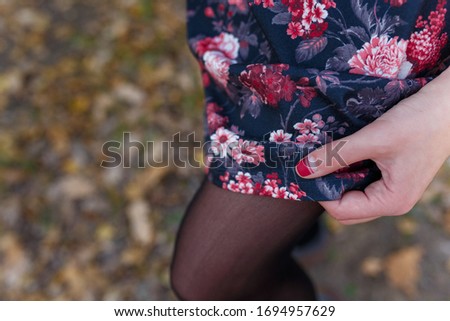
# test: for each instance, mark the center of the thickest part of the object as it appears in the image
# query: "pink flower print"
(225, 43)
(295, 191)
(218, 54)
(382, 57)
(307, 139)
(331, 4)
(317, 118)
(295, 29)
(396, 3)
(280, 192)
(218, 66)
(308, 126)
(280, 136)
(213, 118)
(319, 14)
(265, 3)
(244, 178)
(221, 140)
(246, 151)
(240, 4)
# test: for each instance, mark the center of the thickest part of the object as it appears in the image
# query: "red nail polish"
(303, 168)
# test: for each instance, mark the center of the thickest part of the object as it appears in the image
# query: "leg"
(237, 247)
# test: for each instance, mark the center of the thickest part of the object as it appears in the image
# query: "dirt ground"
(75, 74)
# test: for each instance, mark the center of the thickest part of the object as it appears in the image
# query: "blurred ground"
(77, 73)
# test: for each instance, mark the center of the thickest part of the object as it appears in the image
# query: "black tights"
(237, 247)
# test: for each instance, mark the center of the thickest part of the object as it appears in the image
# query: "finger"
(337, 154)
(360, 221)
(348, 221)
(375, 201)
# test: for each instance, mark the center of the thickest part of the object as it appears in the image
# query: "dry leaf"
(407, 226)
(149, 179)
(372, 266)
(71, 188)
(16, 264)
(142, 229)
(105, 232)
(402, 269)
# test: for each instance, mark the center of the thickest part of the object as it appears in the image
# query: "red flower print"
(425, 46)
(307, 93)
(330, 4)
(317, 30)
(233, 186)
(244, 178)
(296, 192)
(265, 3)
(280, 192)
(243, 183)
(209, 12)
(240, 4)
(396, 3)
(218, 54)
(225, 177)
(270, 184)
(355, 172)
(307, 16)
(246, 151)
(225, 43)
(319, 13)
(268, 83)
(213, 118)
(274, 176)
(295, 29)
(218, 66)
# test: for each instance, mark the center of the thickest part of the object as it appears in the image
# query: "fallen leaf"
(402, 269)
(71, 188)
(149, 179)
(16, 264)
(407, 226)
(142, 229)
(105, 232)
(372, 266)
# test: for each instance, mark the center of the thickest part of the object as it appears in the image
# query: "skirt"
(284, 77)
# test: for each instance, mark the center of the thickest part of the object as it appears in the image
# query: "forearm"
(434, 101)
(437, 93)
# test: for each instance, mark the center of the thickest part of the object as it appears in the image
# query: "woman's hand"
(409, 144)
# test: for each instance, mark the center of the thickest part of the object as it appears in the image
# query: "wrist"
(435, 97)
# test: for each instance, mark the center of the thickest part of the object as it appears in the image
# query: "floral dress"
(284, 77)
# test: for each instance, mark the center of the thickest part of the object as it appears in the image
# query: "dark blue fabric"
(346, 63)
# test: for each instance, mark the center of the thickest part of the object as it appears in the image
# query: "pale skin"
(409, 144)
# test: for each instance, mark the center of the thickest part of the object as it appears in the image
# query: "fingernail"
(304, 168)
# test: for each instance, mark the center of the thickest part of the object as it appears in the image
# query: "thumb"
(335, 155)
